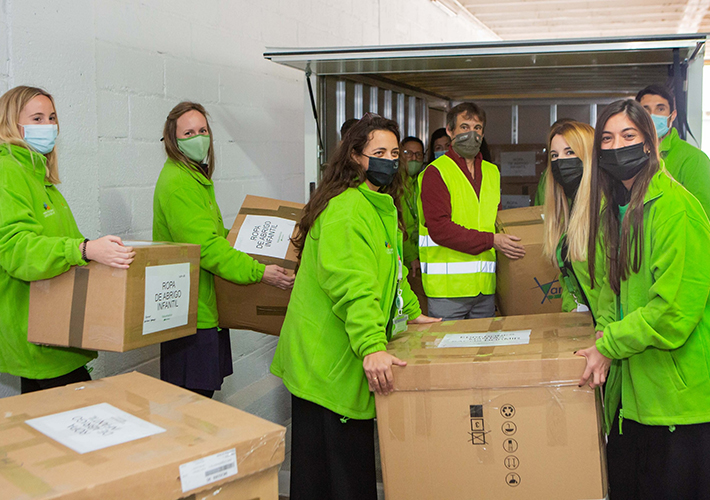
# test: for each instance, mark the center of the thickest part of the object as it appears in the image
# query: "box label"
(93, 427)
(488, 339)
(167, 297)
(514, 201)
(517, 164)
(263, 235)
(208, 470)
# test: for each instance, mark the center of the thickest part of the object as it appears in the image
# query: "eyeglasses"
(413, 154)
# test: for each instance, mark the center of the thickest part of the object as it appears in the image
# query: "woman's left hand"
(423, 320)
(597, 367)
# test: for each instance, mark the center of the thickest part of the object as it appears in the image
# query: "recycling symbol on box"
(507, 410)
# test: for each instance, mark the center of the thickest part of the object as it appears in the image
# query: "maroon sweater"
(436, 205)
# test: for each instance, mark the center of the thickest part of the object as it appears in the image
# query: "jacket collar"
(31, 160)
(668, 142)
(199, 176)
(381, 201)
(655, 187)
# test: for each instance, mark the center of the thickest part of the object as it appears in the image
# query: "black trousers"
(331, 458)
(649, 462)
(33, 385)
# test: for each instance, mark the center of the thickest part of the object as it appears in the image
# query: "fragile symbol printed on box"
(478, 427)
(268, 236)
(167, 297)
(208, 470)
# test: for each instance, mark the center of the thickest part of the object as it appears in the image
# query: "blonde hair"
(558, 220)
(170, 137)
(12, 103)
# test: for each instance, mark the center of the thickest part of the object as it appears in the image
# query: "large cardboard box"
(529, 285)
(262, 229)
(520, 162)
(108, 309)
(490, 409)
(515, 194)
(134, 437)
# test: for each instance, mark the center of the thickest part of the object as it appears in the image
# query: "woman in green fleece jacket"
(185, 211)
(39, 238)
(351, 293)
(658, 329)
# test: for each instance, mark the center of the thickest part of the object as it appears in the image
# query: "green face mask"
(196, 147)
(414, 167)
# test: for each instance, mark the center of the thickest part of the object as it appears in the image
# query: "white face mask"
(41, 138)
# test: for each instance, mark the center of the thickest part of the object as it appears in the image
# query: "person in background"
(39, 239)
(438, 145)
(655, 234)
(686, 163)
(350, 296)
(413, 156)
(542, 183)
(568, 177)
(185, 211)
(460, 194)
(347, 125)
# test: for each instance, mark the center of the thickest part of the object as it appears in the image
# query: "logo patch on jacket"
(48, 210)
(389, 248)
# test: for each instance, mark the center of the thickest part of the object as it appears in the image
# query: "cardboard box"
(495, 421)
(520, 162)
(150, 439)
(262, 229)
(516, 194)
(107, 309)
(529, 285)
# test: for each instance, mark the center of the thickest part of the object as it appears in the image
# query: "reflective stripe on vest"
(458, 267)
(426, 241)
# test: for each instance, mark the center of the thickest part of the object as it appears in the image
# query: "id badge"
(400, 324)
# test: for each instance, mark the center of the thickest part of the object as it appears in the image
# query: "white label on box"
(262, 235)
(167, 297)
(93, 427)
(517, 164)
(514, 201)
(488, 339)
(207, 470)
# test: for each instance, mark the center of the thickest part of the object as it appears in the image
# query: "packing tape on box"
(78, 306)
(284, 212)
(22, 479)
(271, 310)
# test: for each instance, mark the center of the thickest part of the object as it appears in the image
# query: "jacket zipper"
(621, 421)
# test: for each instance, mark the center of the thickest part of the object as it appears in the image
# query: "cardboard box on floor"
(107, 309)
(161, 442)
(262, 229)
(529, 285)
(493, 421)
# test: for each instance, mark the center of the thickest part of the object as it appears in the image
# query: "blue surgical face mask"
(41, 138)
(438, 154)
(661, 123)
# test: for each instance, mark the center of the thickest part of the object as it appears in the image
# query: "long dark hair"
(624, 245)
(343, 172)
(170, 137)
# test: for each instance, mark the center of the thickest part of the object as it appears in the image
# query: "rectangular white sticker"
(263, 235)
(517, 164)
(488, 339)
(207, 470)
(167, 297)
(93, 427)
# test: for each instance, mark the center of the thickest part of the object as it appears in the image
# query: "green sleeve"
(190, 222)
(695, 177)
(25, 253)
(411, 245)
(606, 304)
(347, 272)
(412, 307)
(540, 194)
(678, 297)
(568, 302)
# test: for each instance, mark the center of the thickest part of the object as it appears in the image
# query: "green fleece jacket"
(663, 337)
(185, 211)
(688, 165)
(411, 220)
(342, 302)
(39, 240)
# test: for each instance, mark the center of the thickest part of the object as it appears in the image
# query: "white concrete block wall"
(116, 67)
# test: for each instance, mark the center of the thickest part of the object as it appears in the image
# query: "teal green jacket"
(663, 340)
(342, 303)
(39, 240)
(688, 165)
(411, 220)
(185, 211)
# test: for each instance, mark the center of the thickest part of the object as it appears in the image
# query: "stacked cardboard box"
(529, 285)
(491, 409)
(263, 230)
(521, 166)
(108, 309)
(131, 437)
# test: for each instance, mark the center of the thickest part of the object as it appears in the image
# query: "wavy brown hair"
(170, 137)
(623, 244)
(343, 172)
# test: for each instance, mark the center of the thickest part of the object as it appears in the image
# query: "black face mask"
(567, 172)
(624, 163)
(381, 171)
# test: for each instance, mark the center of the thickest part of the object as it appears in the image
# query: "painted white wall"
(116, 67)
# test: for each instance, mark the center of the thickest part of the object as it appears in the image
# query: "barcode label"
(208, 470)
